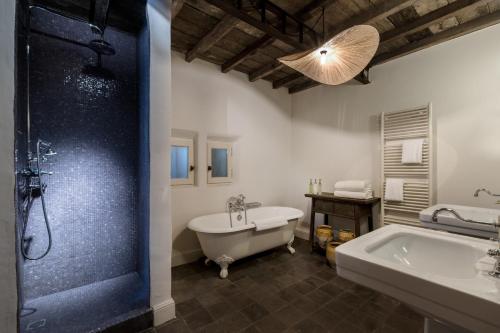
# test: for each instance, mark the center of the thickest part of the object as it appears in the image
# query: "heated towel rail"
(418, 191)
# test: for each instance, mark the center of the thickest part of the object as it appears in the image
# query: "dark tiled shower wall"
(143, 84)
(93, 125)
(20, 122)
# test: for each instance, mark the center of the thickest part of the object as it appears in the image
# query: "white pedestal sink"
(444, 276)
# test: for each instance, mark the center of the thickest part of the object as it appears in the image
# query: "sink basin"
(442, 275)
(431, 255)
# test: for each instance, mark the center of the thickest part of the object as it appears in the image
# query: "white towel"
(353, 185)
(270, 223)
(354, 195)
(394, 189)
(412, 151)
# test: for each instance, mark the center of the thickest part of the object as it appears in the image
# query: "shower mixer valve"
(34, 171)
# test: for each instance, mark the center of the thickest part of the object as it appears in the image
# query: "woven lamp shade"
(340, 59)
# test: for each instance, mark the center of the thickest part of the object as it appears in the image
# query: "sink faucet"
(495, 253)
(236, 204)
(479, 190)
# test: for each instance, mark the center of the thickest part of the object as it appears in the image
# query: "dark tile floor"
(277, 292)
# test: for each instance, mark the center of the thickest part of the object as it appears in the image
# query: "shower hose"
(44, 209)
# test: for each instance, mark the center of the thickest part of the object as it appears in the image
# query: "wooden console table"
(352, 209)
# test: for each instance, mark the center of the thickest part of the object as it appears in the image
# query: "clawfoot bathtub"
(224, 244)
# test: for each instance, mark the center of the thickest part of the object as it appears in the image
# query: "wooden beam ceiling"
(287, 80)
(252, 45)
(314, 8)
(176, 8)
(247, 52)
(429, 19)
(304, 14)
(384, 9)
(460, 30)
(229, 8)
(226, 24)
(265, 71)
(303, 86)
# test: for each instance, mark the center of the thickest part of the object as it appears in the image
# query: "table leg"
(311, 229)
(357, 227)
(370, 222)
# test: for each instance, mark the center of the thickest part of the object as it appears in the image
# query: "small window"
(220, 168)
(182, 161)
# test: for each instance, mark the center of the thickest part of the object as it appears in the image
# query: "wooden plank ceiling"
(232, 34)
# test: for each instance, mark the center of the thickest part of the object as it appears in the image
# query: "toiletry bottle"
(319, 187)
(315, 186)
(310, 189)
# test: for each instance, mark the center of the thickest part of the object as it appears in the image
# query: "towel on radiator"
(353, 185)
(412, 151)
(270, 223)
(354, 195)
(394, 189)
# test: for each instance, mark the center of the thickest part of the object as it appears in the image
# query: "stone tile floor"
(277, 292)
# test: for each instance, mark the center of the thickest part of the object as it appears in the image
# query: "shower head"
(101, 47)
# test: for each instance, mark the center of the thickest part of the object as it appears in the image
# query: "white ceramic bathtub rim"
(219, 223)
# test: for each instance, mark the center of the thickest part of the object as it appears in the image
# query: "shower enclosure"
(82, 171)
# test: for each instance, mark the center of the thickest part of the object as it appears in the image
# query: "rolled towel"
(353, 185)
(270, 223)
(394, 189)
(354, 195)
(412, 151)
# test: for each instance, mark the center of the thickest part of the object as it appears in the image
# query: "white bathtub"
(224, 244)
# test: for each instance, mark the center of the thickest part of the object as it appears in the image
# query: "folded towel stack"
(355, 189)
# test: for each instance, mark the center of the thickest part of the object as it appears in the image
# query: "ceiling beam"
(304, 14)
(232, 10)
(247, 52)
(311, 9)
(303, 86)
(287, 80)
(265, 71)
(176, 8)
(226, 24)
(460, 30)
(381, 11)
(430, 18)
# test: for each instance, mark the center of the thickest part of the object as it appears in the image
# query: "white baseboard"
(164, 312)
(181, 258)
(302, 232)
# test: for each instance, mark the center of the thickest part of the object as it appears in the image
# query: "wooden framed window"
(182, 161)
(220, 162)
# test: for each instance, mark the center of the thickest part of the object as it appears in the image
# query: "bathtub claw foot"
(289, 245)
(224, 261)
(207, 261)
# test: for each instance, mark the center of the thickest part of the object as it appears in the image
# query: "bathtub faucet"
(236, 204)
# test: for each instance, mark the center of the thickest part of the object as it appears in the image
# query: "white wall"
(215, 104)
(160, 208)
(335, 130)
(8, 289)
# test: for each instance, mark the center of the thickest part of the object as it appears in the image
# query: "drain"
(36, 324)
